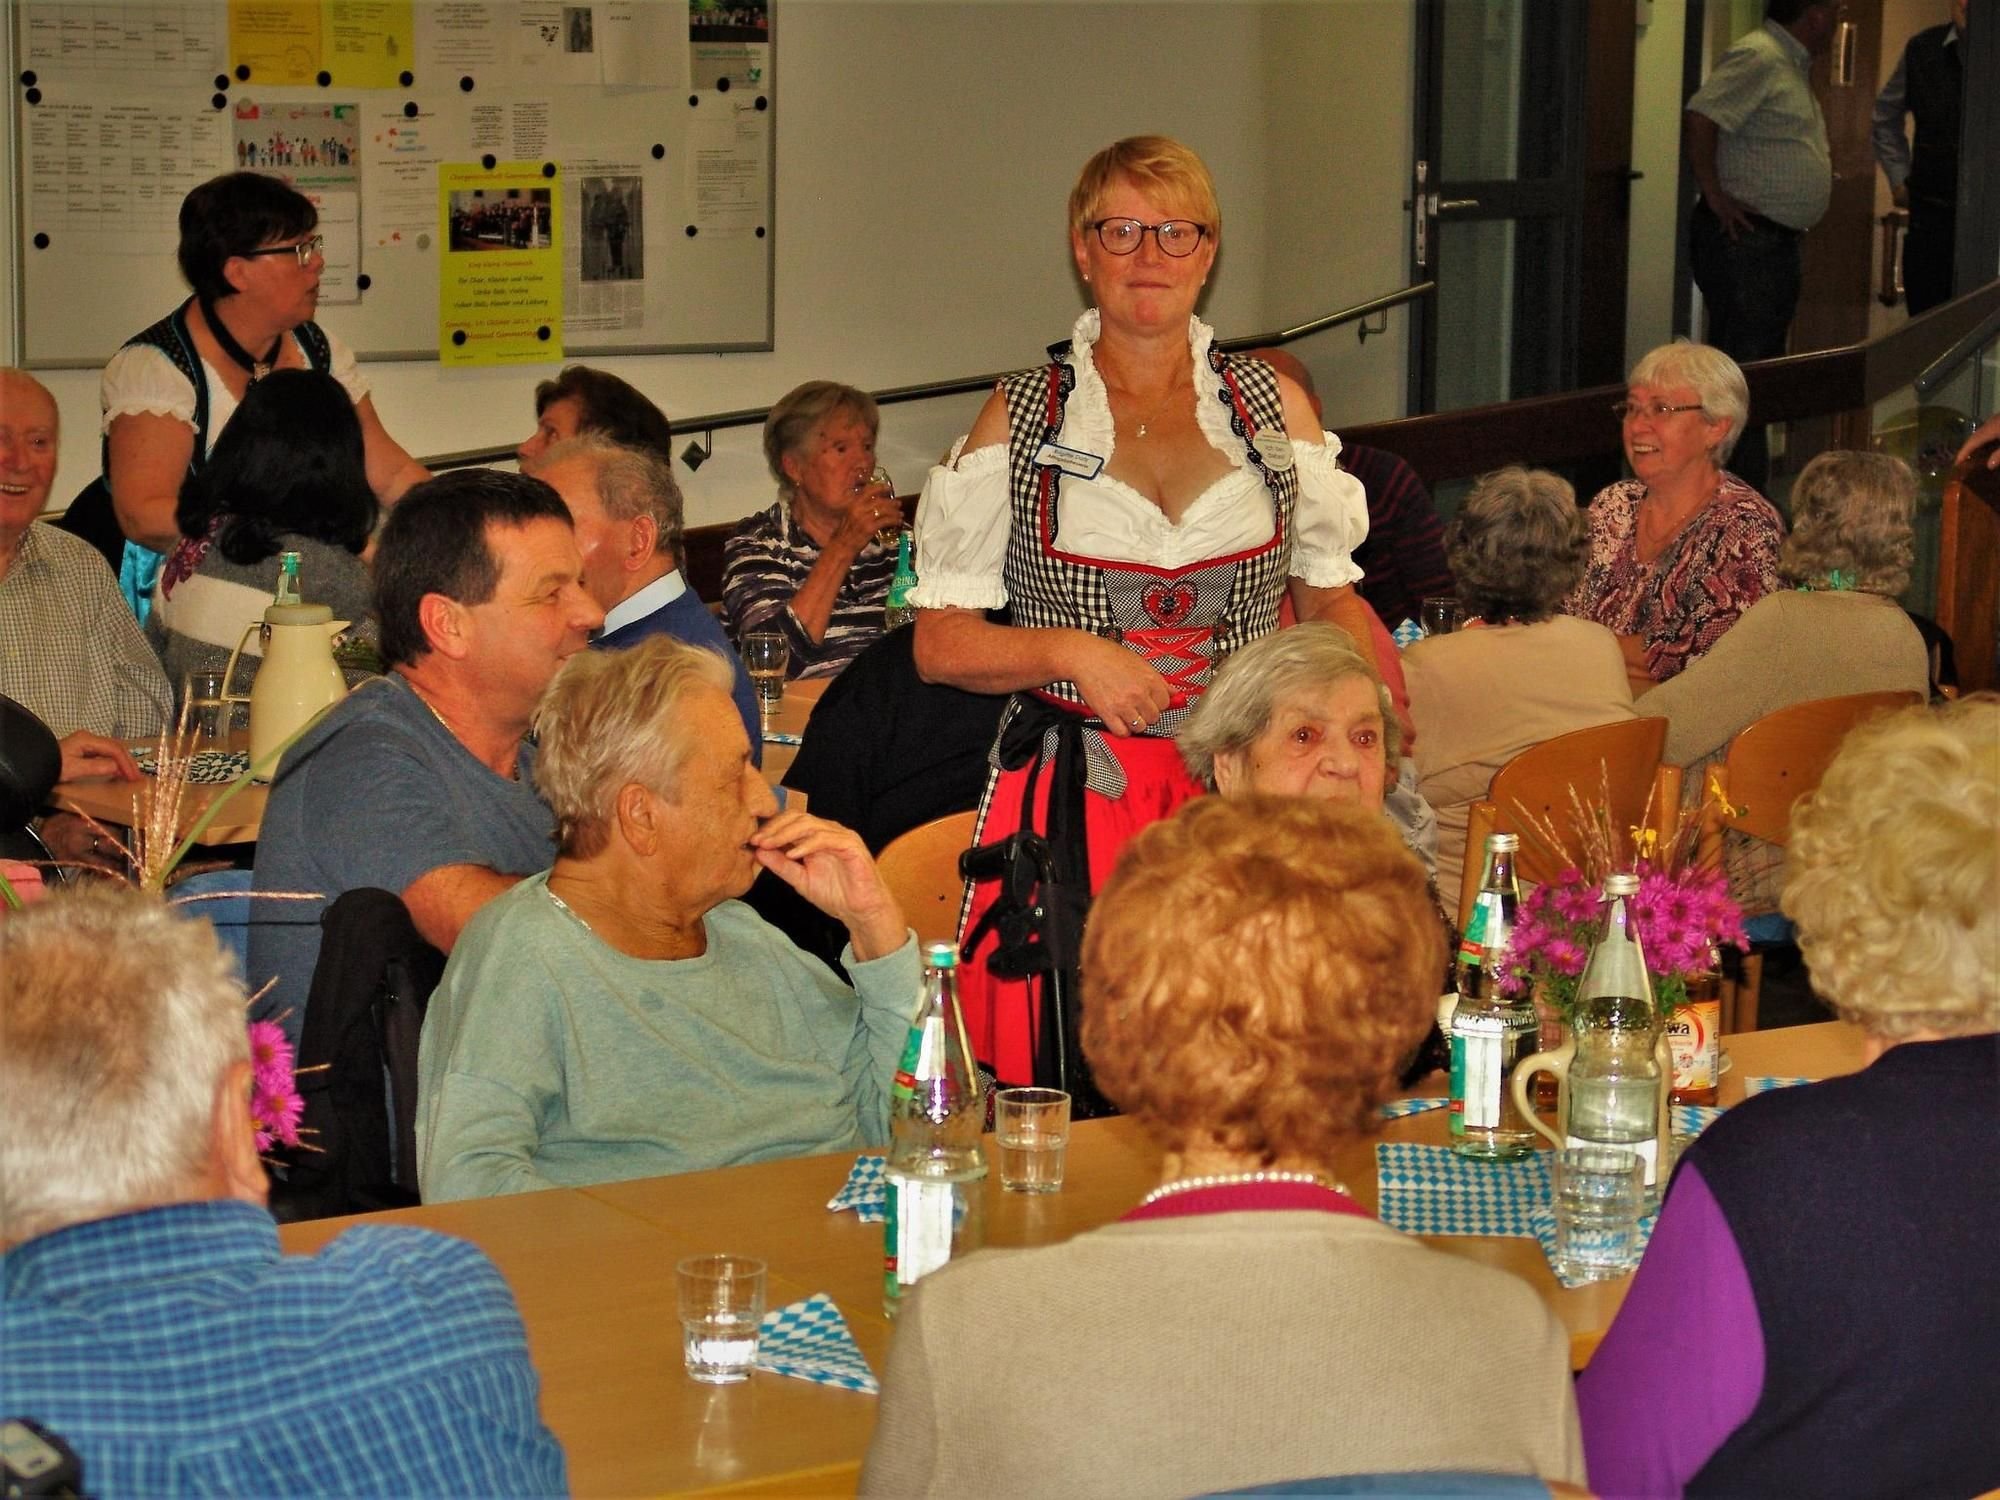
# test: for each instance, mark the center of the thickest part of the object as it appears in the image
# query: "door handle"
(1423, 204)
(1448, 205)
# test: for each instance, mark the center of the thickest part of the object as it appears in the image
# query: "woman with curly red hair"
(1254, 973)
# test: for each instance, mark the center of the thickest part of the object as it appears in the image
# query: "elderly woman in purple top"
(1819, 1309)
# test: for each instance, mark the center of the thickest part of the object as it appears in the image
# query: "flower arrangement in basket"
(1682, 912)
(150, 861)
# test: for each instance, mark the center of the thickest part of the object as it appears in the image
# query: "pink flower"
(276, 1113)
(271, 1059)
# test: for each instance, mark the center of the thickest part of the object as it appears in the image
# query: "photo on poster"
(578, 31)
(729, 20)
(614, 233)
(500, 219)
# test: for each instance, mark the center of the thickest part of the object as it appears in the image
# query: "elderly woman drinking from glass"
(624, 1015)
(1822, 1282)
(1142, 503)
(1684, 547)
(1837, 630)
(814, 567)
(1254, 972)
(1519, 673)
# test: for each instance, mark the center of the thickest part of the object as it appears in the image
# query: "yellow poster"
(369, 42)
(277, 40)
(500, 287)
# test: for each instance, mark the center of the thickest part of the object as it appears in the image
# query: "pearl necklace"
(1233, 1179)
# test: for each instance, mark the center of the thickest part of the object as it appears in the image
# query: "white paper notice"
(642, 43)
(340, 222)
(458, 36)
(117, 172)
(556, 43)
(399, 191)
(511, 129)
(170, 43)
(728, 187)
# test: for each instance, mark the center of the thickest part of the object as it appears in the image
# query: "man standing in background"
(1928, 84)
(1757, 143)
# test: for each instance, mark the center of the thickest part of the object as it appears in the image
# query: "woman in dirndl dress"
(1140, 505)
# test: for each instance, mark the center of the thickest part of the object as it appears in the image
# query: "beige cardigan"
(1180, 1356)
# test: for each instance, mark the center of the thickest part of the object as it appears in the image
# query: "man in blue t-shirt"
(628, 526)
(418, 784)
(147, 1316)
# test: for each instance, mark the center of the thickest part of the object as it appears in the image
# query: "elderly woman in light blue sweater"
(623, 1015)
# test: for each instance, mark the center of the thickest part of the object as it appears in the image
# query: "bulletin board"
(629, 141)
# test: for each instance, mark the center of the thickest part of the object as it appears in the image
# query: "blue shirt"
(667, 606)
(177, 1351)
(375, 795)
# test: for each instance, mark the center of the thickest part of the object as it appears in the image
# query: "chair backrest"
(921, 868)
(1620, 762)
(1781, 757)
(363, 1018)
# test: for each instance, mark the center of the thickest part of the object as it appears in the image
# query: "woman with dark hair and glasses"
(289, 475)
(1141, 503)
(251, 251)
(1680, 550)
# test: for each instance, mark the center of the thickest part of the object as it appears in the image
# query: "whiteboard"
(123, 105)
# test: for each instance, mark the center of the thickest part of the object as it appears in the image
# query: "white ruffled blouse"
(965, 515)
(140, 378)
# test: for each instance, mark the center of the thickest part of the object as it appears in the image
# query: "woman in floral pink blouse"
(1680, 551)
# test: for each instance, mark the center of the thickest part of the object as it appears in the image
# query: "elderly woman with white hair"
(1519, 673)
(1822, 1282)
(624, 1015)
(1679, 551)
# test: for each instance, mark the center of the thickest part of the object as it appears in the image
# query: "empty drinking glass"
(722, 1302)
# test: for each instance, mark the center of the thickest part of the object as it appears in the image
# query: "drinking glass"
(202, 693)
(1440, 615)
(879, 479)
(1599, 1193)
(1032, 1126)
(765, 657)
(722, 1301)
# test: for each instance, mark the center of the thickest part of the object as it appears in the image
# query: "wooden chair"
(921, 868)
(1537, 782)
(1769, 766)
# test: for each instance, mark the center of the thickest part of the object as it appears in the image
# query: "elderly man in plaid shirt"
(147, 1317)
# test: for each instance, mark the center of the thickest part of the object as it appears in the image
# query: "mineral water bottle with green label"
(936, 1172)
(899, 610)
(288, 580)
(1491, 1030)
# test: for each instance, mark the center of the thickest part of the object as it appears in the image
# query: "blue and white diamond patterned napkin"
(864, 1191)
(1758, 1085)
(1434, 1190)
(1691, 1120)
(1397, 1109)
(810, 1340)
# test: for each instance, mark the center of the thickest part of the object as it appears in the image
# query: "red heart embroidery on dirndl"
(1168, 604)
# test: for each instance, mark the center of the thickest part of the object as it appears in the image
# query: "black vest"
(1867, 1212)
(1935, 78)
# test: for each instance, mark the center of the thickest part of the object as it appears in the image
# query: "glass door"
(1497, 199)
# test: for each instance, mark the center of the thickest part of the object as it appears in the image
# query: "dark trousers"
(1927, 251)
(1751, 286)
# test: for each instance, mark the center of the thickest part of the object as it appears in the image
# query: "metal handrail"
(1947, 364)
(754, 416)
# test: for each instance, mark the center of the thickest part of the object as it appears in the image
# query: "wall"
(925, 151)
(1656, 151)
(1337, 115)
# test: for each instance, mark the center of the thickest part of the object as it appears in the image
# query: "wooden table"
(113, 802)
(593, 1271)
